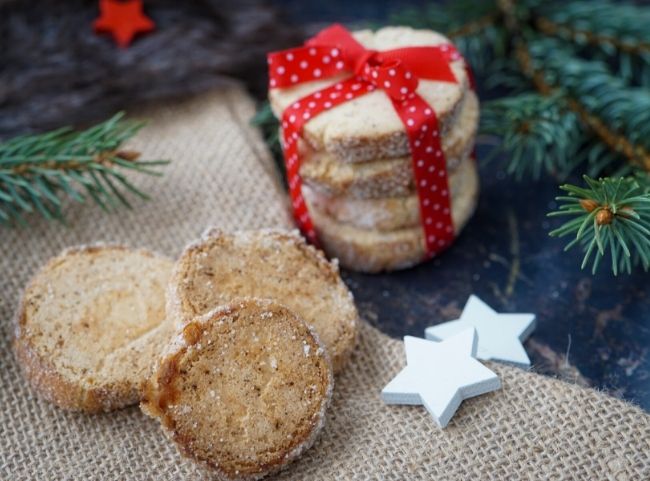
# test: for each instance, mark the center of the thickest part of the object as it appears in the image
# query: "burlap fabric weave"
(533, 428)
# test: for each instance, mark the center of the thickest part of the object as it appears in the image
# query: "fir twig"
(38, 171)
(536, 128)
(617, 114)
(615, 32)
(609, 216)
(598, 98)
(586, 36)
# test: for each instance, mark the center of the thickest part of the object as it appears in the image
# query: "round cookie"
(368, 127)
(391, 177)
(374, 251)
(271, 264)
(242, 389)
(90, 325)
(389, 213)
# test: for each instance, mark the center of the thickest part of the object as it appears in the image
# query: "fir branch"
(611, 26)
(38, 171)
(554, 68)
(609, 216)
(536, 130)
(606, 147)
(598, 98)
(606, 42)
(619, 115)
(616, 33)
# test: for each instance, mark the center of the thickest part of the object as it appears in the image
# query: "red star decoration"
(123, 20)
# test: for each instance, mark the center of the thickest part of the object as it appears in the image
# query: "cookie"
(90, 325)
(374, 251)
(271, 264)
(387, 177)
(368, 127)
(389, 213)
(242, 389)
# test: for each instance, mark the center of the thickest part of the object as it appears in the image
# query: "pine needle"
(38, 171)
(610, 213)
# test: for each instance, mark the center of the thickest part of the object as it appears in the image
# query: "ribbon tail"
(430, 171)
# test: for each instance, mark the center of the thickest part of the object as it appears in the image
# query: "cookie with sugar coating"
(391, 177)
(91, 324)
(391, 213)
(370, 250)
(242, 389)
(269, 264)
(368, 127)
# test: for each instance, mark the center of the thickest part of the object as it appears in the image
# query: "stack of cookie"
(356, 167)
(233, 348)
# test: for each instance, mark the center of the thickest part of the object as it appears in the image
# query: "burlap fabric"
(533, 428)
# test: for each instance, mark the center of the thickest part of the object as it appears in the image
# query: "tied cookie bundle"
(233, 347)
(378, 131)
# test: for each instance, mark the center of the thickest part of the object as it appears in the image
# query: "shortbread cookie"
(91, 324)
(368, 127)
(387, 177)
(271, 264)
(373, 251)
(242, 389)
(390, 213)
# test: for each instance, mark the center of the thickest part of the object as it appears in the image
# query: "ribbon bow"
(335, 52)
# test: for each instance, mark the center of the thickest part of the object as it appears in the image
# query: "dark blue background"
(591, 330)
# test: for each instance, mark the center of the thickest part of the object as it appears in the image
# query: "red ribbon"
(333, 52)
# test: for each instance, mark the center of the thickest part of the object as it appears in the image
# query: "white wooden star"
(499, 335)
(439, 375)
